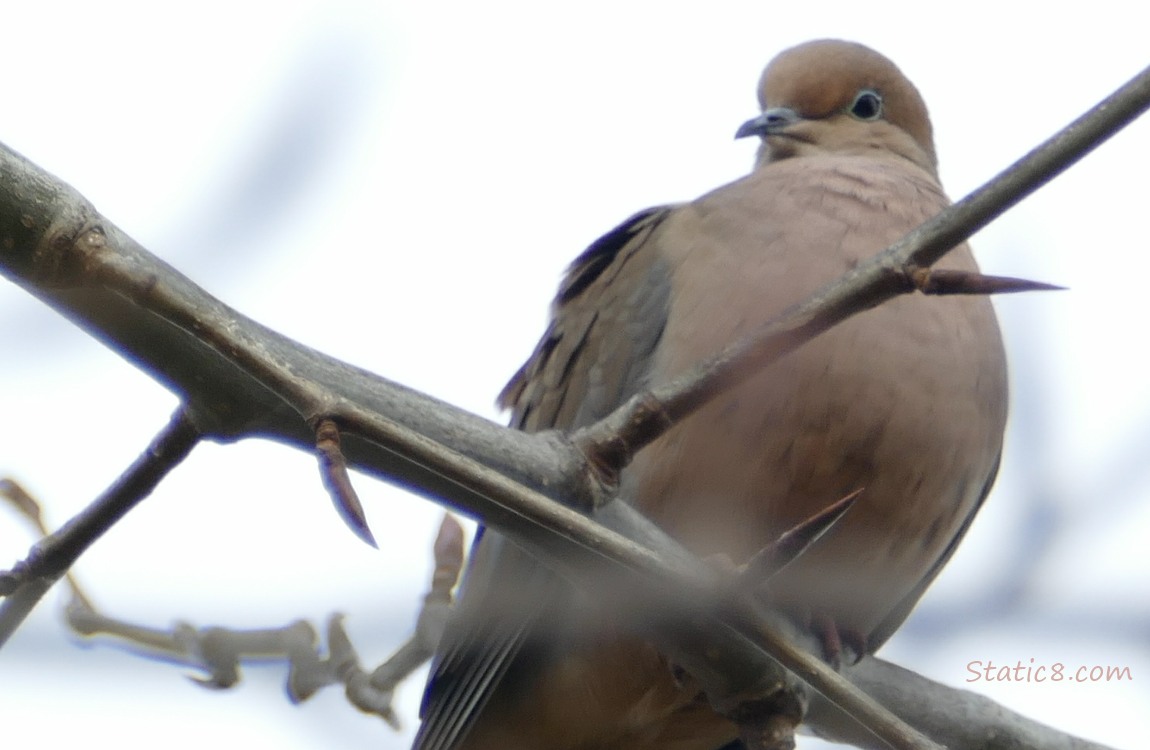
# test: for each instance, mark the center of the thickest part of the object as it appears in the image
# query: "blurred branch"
(219, 651)
(935, 709)
(237, 378)
(52, 556)
(957, 718)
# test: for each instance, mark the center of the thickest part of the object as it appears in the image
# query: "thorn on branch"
(780, 553)
(946, 281)
(333, 470)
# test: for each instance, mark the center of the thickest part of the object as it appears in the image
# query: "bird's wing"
(606, 321)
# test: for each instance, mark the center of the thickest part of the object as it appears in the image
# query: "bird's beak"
(771, 121)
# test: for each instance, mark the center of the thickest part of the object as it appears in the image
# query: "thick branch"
(238, 378)
(957, 719)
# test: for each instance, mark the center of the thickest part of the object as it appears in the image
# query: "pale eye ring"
(867, 105)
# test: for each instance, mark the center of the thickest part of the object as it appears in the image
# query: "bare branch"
(27, 506)
(219, 652)
(241, 379)
(432, 615)
(958, 719)
(888, 274)
(55, 554)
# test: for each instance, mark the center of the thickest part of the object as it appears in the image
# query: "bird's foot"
(840, 645)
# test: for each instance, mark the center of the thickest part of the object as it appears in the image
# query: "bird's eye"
(867, 105)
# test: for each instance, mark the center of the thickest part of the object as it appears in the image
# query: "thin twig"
(729, 670)
(220, 651)
(36, 255)
(55, 554)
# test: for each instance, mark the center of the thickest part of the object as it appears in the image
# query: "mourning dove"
(906, 402)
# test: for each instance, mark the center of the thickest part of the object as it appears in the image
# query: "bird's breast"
(905, 401)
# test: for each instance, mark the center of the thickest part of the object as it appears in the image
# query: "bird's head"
(831, 96)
